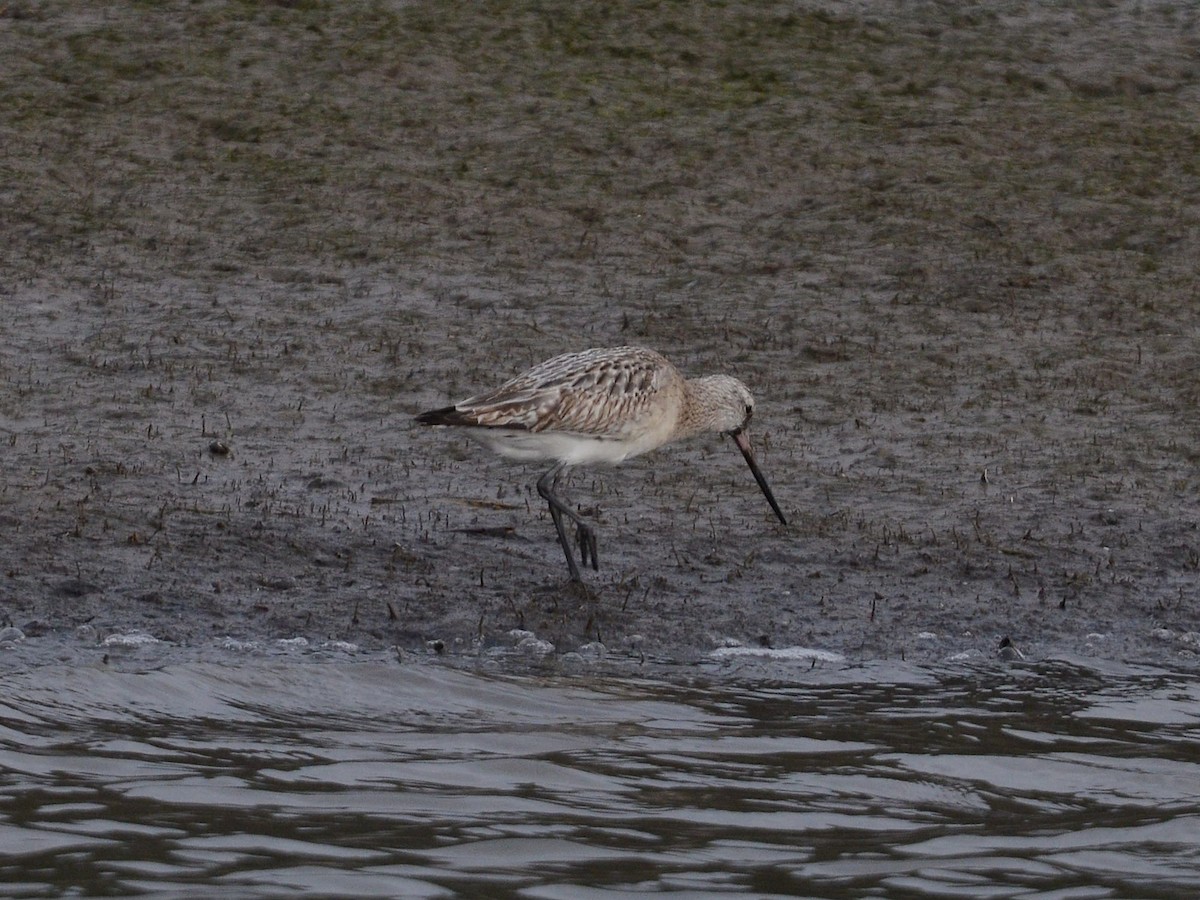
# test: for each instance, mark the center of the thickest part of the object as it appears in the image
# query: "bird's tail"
(447, 415)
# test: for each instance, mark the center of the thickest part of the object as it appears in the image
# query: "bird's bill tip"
(742, 439)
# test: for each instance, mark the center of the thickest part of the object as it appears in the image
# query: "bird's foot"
(585, 536)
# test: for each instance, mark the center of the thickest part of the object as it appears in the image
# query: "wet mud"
(952, 249)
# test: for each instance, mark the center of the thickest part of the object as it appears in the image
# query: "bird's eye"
(749, 411)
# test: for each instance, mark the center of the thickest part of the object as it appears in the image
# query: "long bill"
(743, 441)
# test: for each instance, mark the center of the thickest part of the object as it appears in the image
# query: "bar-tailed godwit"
(601, 405)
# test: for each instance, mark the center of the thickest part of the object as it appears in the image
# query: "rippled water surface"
(365, 780)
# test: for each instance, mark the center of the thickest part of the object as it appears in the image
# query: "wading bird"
(600, 406)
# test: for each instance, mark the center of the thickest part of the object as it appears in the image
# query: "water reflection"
(421, 781)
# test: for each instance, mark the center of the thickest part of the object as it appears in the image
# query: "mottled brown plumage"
(603, 393)
(600, 405)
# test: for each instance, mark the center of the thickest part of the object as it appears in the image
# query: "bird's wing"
(595, 392)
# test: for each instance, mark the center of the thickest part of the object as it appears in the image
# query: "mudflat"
(952, 248)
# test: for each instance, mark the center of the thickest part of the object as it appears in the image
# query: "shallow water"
(279, 778)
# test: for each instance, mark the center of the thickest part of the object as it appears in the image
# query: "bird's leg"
(585, 535)
(562, 540)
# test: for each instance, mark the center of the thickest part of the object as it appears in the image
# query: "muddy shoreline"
(951, 249)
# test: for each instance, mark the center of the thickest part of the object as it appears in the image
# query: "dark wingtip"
(447, 415)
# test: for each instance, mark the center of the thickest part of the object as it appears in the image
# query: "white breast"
(572, 449)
